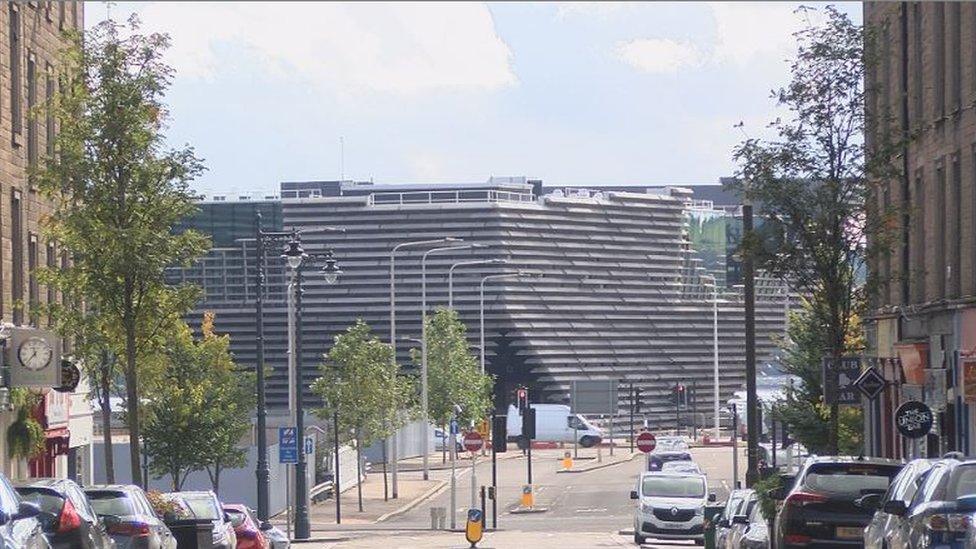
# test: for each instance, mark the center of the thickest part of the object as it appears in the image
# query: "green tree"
(810, 181)
(197, 416)
(118, 191)
(453, 373)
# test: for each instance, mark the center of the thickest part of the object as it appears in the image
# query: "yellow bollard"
(527, 498)
(472, 529)
(567, 461)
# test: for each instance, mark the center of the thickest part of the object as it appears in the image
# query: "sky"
(570, 93)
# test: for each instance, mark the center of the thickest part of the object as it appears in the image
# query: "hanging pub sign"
(969, 379)
(70, 377)
(839, 375)
(913, 419)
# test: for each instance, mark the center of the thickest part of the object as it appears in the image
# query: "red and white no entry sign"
(473, 441)
(646, 442)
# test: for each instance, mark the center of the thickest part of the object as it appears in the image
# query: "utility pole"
(735, 447)
(633, 403)
(752, 401)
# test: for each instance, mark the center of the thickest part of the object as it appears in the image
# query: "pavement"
(584, 510)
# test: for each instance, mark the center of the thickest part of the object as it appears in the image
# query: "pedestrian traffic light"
(528, 423)
(637, 400)
(522, 398)
(499, 433)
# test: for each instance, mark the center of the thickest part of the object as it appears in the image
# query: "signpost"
(473, 442)
(646, 442)
(597, 397)
(839, 375)
(870, 383)
(287, 445)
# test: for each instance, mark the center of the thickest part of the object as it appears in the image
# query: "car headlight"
(647, 508)
(700, 511)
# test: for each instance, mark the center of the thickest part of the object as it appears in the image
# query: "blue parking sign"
(309, 445)
(287, 445)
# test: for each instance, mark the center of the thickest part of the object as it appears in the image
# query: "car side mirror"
(227, 517)
(712, 498)
(26, 510)
(740, 519)
(895, 507)
(633, 494)
(870, 502)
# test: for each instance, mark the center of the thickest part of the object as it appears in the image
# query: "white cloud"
(659, 55)
(565, 10)
(400, 48)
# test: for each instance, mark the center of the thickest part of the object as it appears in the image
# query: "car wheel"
(638, 539)
(588, 442)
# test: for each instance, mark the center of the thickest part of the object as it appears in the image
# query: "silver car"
(886, 528)
(670, 506)
(723, 522)
(741, 521)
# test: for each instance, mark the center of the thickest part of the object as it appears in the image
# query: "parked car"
(740, 521)
(276, 538)
(204, 505)
(249, 535)
(941, 515)
(822, 509)
(681, 467)
(723, 521)
(67, 516)
(554, 423)
(755, 535)
(129, 518)
(885, 531)
(19, 526)
(441, 443)
(670, 506)
(668, 449)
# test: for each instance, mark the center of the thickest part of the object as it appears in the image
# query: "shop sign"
(839, 375)
(913, 419)
(969, 379)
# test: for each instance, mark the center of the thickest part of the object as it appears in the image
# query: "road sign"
(287, 445)
(914, 419)
(454, 427)
(594, 397)
(473, 441)
(871, 383)
(839, 375)
(309, 445)
(646, 442)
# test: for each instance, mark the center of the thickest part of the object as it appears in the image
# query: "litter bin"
(192, 533)
(711, 514)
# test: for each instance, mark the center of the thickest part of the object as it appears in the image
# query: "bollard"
(473, 529)
(438, 517)
(567, 461)
(527, 498)
(599, 454)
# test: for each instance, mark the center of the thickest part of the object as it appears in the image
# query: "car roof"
(671, 474)
(40, 482)
(856, 459)
(112, 488)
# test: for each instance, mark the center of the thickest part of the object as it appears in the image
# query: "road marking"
(600, 510)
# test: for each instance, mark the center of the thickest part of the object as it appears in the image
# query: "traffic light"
(528, 423)
(637, 400)
(499, 434)
(679, 394)
(522, 399)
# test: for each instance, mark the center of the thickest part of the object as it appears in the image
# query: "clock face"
(35, 353)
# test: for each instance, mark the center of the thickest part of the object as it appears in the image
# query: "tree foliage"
(360, 380)
(453, 374)
(118, 191)
(810, 181)
(198, 414)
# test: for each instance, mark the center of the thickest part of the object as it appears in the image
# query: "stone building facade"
(922, 99)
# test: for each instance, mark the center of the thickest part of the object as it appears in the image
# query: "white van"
(554, 423)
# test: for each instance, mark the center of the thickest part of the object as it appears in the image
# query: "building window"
(955, 230)
(916, 59)
(939, 63)
(955, 70)
(918, 264)
(17, 254)
(31, 119)
(49, 129)
(16, 86)
(33, 293)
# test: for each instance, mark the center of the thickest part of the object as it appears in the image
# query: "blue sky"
(572, 93)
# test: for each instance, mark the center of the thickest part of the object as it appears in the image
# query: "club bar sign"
(34, 358)
(839, 375)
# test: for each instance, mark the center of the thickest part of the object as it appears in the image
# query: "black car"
(19, 527)
(67, 517)
(668, 449)
(204, 505)
(129, 517)
(823, 507)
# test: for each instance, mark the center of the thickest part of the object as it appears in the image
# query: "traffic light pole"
(632, 403)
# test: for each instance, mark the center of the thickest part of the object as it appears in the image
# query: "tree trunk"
(106, 406)
(132, 399)
(359, 472)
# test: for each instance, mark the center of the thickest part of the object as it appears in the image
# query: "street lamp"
(450, 274)
(297, 260)
(413, 244)
(423, 346)
(486, 278)
(715, 352)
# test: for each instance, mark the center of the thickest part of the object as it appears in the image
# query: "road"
(590, 509)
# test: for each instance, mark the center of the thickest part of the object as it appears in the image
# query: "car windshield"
(202, 507)
(849, 478)
(671, 445)
(111, 503)
(673, 486)
(962, 482)
(45, 499)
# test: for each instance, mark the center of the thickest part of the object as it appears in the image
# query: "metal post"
(481, 321)
(494, 479)
(718, 425)
(483, 508)
(677, 411)
(453, 475)
(302, 526)
(335, 473)
(528, 463)
(393, 439)
(752, 401)
(613, 419)
(633, 403)
(474, 482)
(386, 491)
(262, 471)
(735, 447)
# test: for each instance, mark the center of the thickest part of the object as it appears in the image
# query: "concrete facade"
(922, 97)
